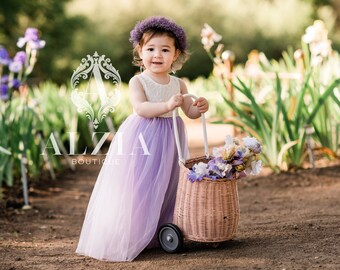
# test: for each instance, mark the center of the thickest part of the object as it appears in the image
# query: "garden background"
(73, 29)
(270, 69)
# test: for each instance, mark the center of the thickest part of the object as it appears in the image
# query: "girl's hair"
(145, 30)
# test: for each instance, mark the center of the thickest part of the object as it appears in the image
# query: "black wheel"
(170, 238)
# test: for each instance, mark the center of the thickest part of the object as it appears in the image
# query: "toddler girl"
(136, 188)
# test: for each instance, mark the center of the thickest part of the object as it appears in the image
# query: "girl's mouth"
(157, 63)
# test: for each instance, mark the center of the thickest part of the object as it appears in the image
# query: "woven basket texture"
(206, 210)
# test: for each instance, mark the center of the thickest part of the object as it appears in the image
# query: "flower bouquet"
(207, 206)
(232, 161)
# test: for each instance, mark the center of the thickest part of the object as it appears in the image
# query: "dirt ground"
(287, 221)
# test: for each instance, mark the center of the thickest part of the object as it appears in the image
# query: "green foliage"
(212, 89)
(326, 119)
(50, 18)
(278, 111)
(281, 131)
(73, 29)
(47, 109)
(259, 25)
(18, 121)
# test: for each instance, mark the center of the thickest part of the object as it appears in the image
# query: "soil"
(288, 221)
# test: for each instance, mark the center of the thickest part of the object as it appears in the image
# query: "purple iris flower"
(15, 66)
(236, 162)
(20, 57)
(32, 38)
(192, 176)
(4, 57)
(238, 154)
(4, 79)
(15, 84)
(257, 149)
(36, 45)
(213, 166)
(32, 34)
(4, 92)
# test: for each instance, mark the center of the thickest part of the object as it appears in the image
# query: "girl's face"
(158, 54)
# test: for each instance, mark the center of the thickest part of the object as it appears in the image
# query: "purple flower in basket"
(192, 176)
(198, 171)
(219, 167)
(252, 144)
(232, 161)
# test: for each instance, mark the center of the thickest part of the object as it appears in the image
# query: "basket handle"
(206, 149)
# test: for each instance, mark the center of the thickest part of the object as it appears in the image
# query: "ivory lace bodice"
(156, 92)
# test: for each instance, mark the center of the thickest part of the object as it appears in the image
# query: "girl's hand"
(202, 104)
(175, 101)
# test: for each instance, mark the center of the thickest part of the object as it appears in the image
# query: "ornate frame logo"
(95, 65)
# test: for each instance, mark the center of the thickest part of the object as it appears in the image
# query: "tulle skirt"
(135, 191)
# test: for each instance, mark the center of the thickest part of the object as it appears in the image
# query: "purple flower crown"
(158, 23)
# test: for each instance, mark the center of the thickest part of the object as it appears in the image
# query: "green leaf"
(5, 151)
(322, 100)
(259, 118)
(300, 103)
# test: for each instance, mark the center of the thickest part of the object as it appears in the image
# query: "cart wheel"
(170, 238)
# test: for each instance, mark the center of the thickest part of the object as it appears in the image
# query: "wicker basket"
(208, 210)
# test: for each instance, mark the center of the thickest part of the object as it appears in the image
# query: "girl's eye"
(150, 49)
(165, 50)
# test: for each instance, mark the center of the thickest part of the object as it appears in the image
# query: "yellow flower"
(240, 167)
(228, 153)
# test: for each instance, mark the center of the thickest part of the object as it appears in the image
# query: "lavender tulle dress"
(135, 190)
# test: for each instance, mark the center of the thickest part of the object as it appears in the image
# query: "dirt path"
(288, 221)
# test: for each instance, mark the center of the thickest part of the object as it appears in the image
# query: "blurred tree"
(56, 27)
(268, 26)
(73, 29)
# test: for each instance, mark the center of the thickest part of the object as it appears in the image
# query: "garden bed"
(288, 221)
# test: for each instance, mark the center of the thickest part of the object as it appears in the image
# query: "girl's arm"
(193, 109)
(148, 109)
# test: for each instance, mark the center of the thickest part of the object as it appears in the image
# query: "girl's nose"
(157, 53)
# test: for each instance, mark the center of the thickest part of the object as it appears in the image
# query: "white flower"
(224, 168)
(246, 153)
(229, 152)
(317, 38)
(256, 167)
(231, 142)
(248, 168)
(209, 37)
(315, 33)
(201, 169)
(228, 55)
(322, 48)
(252, 144)
(217, 151)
